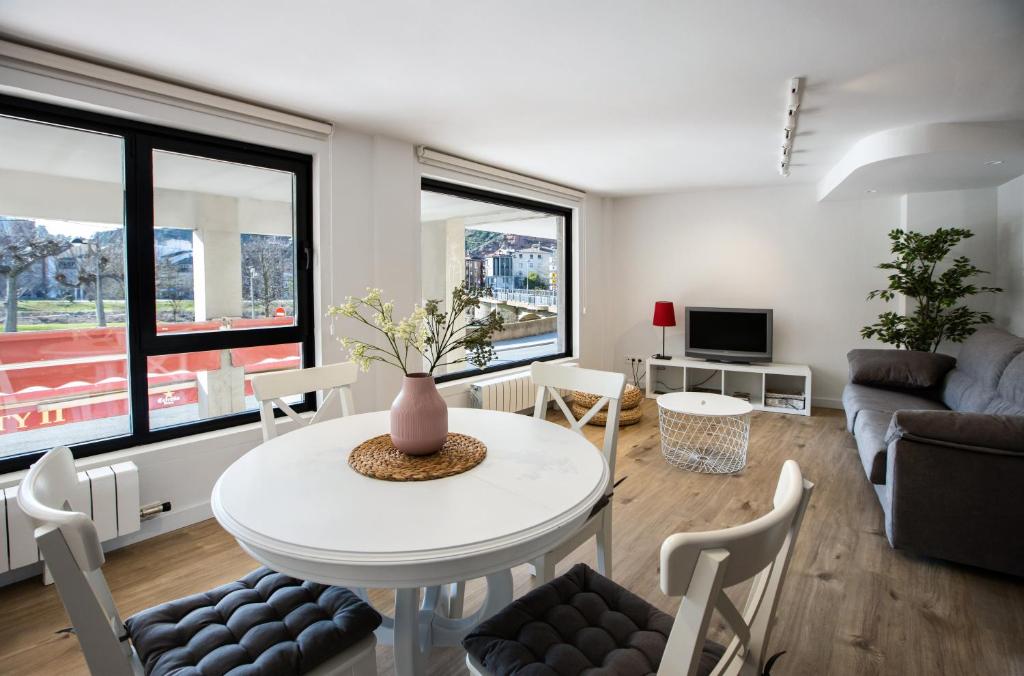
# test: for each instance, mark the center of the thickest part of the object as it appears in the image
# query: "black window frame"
(565, 275)
(140, 140)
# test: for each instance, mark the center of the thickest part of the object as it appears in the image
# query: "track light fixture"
(794, 91)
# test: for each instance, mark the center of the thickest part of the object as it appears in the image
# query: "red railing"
(52, 378)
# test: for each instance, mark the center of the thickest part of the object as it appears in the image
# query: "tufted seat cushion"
(574, 624)
(266, 623)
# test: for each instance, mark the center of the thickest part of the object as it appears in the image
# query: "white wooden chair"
(700, 567)
(71, 549)
(549, 379)
(335, 381)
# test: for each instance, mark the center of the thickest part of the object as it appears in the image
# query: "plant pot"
(419, 416)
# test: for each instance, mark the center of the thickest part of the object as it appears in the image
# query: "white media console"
(682, 374)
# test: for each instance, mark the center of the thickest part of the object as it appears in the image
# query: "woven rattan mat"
(627, 416)
(631, 398)
(379, 459)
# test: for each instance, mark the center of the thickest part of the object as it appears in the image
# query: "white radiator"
(512, 393)
(110, 495)
(505, 393)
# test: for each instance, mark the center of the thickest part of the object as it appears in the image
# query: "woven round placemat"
(631, 398)
(627, 416)
(378, 458)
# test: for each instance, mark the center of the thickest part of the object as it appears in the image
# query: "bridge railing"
(530, 297)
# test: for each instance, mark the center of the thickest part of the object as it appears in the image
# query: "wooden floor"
(851, 604)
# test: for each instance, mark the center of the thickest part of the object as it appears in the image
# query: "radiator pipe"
(155, 509)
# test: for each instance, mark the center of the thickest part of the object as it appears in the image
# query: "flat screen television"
(729, 334)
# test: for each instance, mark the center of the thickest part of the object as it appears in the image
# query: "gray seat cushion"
(971, 386)
(1009, 398)
(870, 432)
(578, 623)
(266, 623)
(857, 398)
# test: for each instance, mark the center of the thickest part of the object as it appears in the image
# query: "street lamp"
(92, 248)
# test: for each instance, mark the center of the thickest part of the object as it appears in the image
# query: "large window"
(516, 252)
(145, 275)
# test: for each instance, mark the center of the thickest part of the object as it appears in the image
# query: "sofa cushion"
(857, 398)
(899, 369)
(266, 623)
(1009, 399)
(971, 386)
(578, 623)
(870, 434)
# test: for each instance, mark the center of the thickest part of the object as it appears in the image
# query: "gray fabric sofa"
(945, 450)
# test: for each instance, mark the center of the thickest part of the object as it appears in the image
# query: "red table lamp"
(664, 315)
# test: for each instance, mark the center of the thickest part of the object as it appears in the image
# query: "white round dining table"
(294, 504)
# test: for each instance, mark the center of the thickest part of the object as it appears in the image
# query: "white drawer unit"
(778, 388)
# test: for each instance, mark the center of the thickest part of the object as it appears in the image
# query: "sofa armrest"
(954, 503)
(899, 369)
(982, 432)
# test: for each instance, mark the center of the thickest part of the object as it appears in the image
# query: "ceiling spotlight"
(993, 163)
(870, 190)
(793, 91)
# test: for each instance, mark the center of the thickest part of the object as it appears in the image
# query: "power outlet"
(637, 368)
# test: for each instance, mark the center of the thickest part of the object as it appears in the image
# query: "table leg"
(418, 626)
(449, 631)
(410, 657)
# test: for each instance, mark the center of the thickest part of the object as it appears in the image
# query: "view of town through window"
(512, 255)
(224, 259)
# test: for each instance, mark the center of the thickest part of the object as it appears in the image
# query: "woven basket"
(631, 398)
(629, 416)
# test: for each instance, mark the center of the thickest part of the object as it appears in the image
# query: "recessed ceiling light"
(992, 163)
(870, 190)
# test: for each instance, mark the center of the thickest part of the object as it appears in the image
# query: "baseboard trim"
(827, 402)
(165, 523)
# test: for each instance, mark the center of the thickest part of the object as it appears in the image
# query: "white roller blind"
(41, 62)
(434, 158)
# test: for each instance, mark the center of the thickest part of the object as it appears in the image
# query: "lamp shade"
(664, 313)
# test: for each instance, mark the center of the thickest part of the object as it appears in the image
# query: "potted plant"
(937, 314)
(418, 345)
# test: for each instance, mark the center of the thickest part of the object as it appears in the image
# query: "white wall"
(1009, 310)
(971, 209)
(812, 262)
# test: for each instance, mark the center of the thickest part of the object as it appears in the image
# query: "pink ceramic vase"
(419, 416)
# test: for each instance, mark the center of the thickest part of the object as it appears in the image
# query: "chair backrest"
(71, 549)
(607, 386)
(334, 381)
(701, 566)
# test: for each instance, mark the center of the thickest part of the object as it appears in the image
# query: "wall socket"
(637, 369)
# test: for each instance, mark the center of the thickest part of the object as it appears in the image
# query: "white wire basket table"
(703, 432)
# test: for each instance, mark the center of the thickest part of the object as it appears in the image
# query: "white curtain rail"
(461, 165)
(34, 60)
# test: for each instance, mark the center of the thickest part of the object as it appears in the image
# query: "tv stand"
(685, 374)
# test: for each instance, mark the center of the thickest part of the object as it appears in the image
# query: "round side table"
(704, 432)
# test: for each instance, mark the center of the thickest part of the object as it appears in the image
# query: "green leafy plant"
(937, 314)
(433, 334)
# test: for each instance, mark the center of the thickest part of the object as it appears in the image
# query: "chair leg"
(456, 598)
(604, 545)
(545, 570)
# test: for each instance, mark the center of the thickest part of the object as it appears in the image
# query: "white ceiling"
(610, 96)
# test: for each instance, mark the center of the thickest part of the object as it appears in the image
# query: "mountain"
(481, 243)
